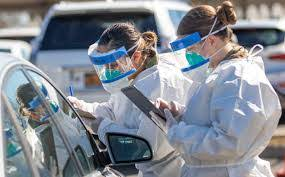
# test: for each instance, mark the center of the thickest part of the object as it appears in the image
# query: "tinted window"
(80, 31)
(176, 16)
(37, 115)
(265, 37)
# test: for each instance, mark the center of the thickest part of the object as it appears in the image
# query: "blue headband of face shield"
(185, 42)
(101, 59)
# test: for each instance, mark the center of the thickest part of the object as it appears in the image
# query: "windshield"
(176, 16)
(80, 31)
(266, 37)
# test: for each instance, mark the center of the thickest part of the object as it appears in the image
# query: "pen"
(71, 91)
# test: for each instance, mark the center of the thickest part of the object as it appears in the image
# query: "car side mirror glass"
(124, 148)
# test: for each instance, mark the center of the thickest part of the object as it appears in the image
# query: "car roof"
(272, 23)
(7, 59)
(8, 44)
(73, 7)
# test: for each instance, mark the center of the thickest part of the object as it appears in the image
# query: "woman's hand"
(76, 102)
(175, 108)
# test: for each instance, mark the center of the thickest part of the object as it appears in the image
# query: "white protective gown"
(165, 81)
(228, 122)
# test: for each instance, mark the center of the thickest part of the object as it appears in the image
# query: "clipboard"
(143, 103)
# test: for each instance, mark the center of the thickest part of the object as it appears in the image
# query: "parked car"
(33, 146)
(70, 27)
(270, 34)
(26, 34)
(17, 48)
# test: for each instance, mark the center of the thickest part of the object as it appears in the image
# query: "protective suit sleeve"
(238, 111)
(104, 109)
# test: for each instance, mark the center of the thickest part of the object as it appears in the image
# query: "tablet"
(142, 102)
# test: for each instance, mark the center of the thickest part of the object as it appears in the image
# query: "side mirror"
(125, 149)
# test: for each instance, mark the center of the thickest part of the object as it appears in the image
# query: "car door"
(92, 161)
(50, 149)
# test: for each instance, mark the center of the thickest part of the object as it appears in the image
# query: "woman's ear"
(212, 40)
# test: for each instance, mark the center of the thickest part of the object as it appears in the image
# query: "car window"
(176, 16)
(70, 124)
(15, 160)
(36, 114)
(80, 31)
(265, 37)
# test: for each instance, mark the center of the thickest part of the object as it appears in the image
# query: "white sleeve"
(239, 112)
(104, 109)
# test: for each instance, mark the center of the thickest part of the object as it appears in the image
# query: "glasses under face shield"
(185, 55)
(112, 66)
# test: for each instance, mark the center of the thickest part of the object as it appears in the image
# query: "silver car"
(42, 135)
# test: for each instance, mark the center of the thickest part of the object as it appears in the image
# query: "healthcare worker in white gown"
(138, 64)
(231, 118)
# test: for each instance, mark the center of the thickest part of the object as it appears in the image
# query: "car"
(16, 48)
(70, 27)
(26, 34)
(270, 34)
(38, 127)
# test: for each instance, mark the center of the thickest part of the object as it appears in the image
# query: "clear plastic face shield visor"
(114, 65)
(37, 105)
(187, 59)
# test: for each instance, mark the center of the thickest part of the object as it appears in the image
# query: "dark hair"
(125, 34)
(201, 18)
(25, 94)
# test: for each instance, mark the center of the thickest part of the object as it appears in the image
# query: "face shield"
(187, 57)
(37, 105)
(113, 68)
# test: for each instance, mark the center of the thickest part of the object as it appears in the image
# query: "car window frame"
(90, 136)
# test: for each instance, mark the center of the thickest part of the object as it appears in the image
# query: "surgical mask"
(114, 68)
(112, 73)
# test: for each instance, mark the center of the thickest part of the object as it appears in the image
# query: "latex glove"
(175, 108)
(79, 104)
(170, 120)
